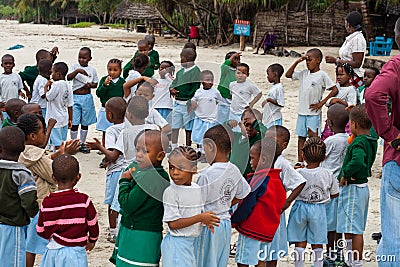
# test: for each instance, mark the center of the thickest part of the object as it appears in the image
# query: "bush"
(115, 26)
(81, 25)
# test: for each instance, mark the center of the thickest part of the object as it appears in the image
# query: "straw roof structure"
(135, 11)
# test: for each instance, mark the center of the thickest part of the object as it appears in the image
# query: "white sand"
(107, 44)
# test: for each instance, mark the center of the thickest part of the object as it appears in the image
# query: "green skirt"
(137, 248)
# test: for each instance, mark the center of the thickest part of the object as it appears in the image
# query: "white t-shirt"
(354, 43)
(312, 87)
(242, 95)
(348, 94)
(80, 80)
(273, 112)
(162, 97)
(336, 148)
(182, 201)
(38, 91)
(112, 134)
(156, 118)
(59, 98)
(220, 184)
(319, 187)
(291, 179)
(207, 103)
(133, 74)
(9, 86)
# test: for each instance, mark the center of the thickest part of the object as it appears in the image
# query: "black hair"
(221, 136)
(142, 42)
(190, 45)
(354, 19)
(347, 68)
(140, 61)
(377, 72)
(61, 67)
(7, 56)
(163, 139)
(190, 53)
(277, 68)
(244, 65)
(359, 115)
(314, 150)
(252, 111)
(12, 140)
(171, 65)
(26, 108)
(30, 123)
(87, 49)
(271, 150)
(42, 53)
(338, 114)
(188, 152)
(13, 107)
(138, 107)
(316, 52)
(146, 85)
(229, 54)
(117, 105)
(205, 73)
(115, 61)
(65, 168)
(280, 131)
(150, 37)
(45, 65)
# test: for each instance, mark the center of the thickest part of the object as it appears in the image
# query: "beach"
(118, 43)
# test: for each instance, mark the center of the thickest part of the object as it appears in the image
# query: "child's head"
(369, 75)
(140, 62)
(242, 72)
(13, 108)
(84, 56)
(66, 171)
(207, 79)
(143, 47)
(235, 61)
(114, 68)
(8, 63)
(150, 148)
(166, 66)
(183, 164)
(280, 133)
(217, 142)
(249, 119)
(31, 108)
(137, 110)
(343, 73)
(146, 90)
(274, 73)
(188, 55)
(190, 45)
(359, 120)
(263, 154)
(313, 59)
(12, 143)
(337, 118)
(151, 39)
(314, 150)
(34, 128)
(43, 54)
(59, 71)
(115, 109)
(44, 67)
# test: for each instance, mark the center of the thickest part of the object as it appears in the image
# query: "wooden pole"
(307, 25)
(242, 42)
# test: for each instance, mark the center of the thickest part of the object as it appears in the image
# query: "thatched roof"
(135, 11)
(73, 12)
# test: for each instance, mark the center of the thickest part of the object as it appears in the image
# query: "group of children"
(245, 186)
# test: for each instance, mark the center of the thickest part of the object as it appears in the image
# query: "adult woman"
(353, 48)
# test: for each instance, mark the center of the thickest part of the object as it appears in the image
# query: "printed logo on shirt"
(315, 193)
(226, 191)
(65, 97)
(15, 84)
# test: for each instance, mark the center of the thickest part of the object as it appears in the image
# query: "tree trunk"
(38, 11)
(170, 24)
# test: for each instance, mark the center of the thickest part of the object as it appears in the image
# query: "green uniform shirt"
(107, 92)
(7, 122)
(186, 83)
(227, 76)
(29, 75)
(154, 58)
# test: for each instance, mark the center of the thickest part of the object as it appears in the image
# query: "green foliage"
(81, 25)
(115, 25)
(7, 11)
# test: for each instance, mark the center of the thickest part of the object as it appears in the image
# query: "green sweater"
(359, 158)
(29, 75)
(7, 122)
(113, 89)
(140, 199)
(154, 58)
(227, 76)
(186, 83)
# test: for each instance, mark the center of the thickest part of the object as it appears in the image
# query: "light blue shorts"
(178, 251)
(331, 214)
(12, 245)
(65, 257)
(115, 202)
(102, 122)
(308, 121)
(58, 135)
(181, 118)
(165, 113)
(213, 249)
(352, 209)
(247, 250)
(44, 112)
(34, 243)
(278, 248)
(83, 111)
(277, 122)
(307, 222)
(111, 184)
(199, 129)
(223, 112)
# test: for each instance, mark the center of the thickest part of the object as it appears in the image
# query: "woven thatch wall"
(135, 11)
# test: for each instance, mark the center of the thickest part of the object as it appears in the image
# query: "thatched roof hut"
(74, 15)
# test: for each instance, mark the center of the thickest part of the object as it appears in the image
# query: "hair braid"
(314, 150)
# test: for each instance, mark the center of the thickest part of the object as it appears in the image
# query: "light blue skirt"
(34, 243)
(65, 257)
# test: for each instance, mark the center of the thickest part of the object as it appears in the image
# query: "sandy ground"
(107, 44)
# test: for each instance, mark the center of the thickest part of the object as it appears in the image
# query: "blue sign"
(241, 29)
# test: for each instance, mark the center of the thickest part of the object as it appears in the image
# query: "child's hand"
(330, 59)
(349, 107)
(51, 123)
(210, 220)
(128, 174)
(82, 71)
(89, 246)
(301, 59)
(21, 94)
(107, 81)
(342, 182)
(69, 124)
(315, 107)
(94, 145)
(233, 123)
(48, 84)
(264, 102)
(70, 147)
(173, 92)
(54, 52)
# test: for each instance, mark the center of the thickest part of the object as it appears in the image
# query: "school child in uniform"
(13, 108)
(153, 56)
(222, 186)
(144, 48)
(369, 76)
(354, 192)
(275, 101)
(38, 96)
(59, 104)
(183, 88)
(183, 210)
(140, 62)
(162, 99)
(313, 83)
(307, 219)
(67, 241)
(84, 78)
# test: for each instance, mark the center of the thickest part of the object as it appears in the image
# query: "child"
(369, 76)
(140, 197)
(336, 146)
(190, 45)
(354, 193)
(313, 83)
(67, 241)
(228, 75)
(140, 62)
(84, 78)
(276, 99)
(162, 100)
(17, 196)
(183, 88)
(205, 105)
(115, 112)
(59, 104)
(13, 108)
(183, 206)
(31, 108)
(257, 216)
(307, 219)
(242, 91)
(153, 55)
(144, 48)
(222, 186)
(38, 95)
